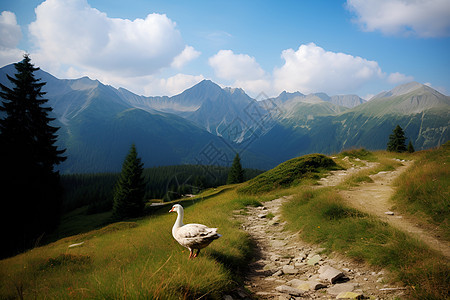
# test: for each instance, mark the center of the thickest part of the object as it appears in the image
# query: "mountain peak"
(285, 96)
(400, 90)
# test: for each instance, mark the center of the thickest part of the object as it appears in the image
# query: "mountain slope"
(98, 123)
(422, 112)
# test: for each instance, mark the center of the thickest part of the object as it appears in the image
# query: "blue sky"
(162, 47)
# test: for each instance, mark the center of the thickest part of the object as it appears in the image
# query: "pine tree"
(29, 184)
(236, 173)
(397, 140)
(129, 191)
(410, 147)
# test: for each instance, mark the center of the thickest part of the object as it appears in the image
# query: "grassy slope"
(322, 218)
(140, 259)
(134, 259)
(424, 189)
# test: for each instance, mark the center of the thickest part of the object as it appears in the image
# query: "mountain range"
(207, 124)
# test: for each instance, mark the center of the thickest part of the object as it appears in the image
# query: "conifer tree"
(128, 201)
(31, 191)
(410, 147)
(236, 173)
(397, 140)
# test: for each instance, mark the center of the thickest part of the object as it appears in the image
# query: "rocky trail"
(288, 268)
(374, 198)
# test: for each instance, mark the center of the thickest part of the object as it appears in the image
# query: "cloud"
(188, 54)
(241, 69)
(172, 85)
(73, 33)
(312, 69)
(10, 36)
(422, 18)
(397, 78)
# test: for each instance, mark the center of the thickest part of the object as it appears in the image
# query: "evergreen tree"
(30, 186)
(128, 201)
(397, 140)
(236, 173)
(410, 147)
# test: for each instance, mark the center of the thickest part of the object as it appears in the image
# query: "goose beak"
(171, 210)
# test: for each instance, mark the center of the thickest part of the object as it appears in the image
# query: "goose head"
(177, 208)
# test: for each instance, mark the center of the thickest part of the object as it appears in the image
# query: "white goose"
(192, 236)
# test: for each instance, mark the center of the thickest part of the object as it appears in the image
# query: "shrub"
(289, 173)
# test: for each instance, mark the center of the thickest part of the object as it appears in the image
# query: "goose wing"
(196, 235)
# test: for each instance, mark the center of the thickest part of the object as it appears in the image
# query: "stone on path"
(289, 290)
(314, 260)
(330, 274)
(389, 213)
(287, 269)
(306, 285)
(341, 288)
(278, 243)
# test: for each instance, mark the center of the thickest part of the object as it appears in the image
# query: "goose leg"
(191, 254)
(196, 254)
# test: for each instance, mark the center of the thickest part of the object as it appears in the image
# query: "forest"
(162, 184)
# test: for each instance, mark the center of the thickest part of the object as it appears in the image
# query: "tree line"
(167, 183)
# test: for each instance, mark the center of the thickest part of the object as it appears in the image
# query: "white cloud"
(188, 54)
(10, 36)
(172, 85)
(241, 69)
(230, 66)
(312, 69)
(397, 78)
(73, 33)
(423, 18)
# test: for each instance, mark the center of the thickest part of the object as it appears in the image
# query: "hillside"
(139, 258)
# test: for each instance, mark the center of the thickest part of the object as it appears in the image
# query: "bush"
(289, 173)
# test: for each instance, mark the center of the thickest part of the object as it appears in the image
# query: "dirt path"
(374, 198)
(288, 268)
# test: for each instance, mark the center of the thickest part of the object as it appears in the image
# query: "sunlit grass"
(424, 189)
(322, 218)
(135, 260)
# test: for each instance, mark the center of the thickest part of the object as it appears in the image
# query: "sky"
(264, 47)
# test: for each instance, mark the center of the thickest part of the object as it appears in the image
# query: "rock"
(315, 285)
(275, 257)
(278, 244)
(314, 260)
(269, 266)
(306, 285)
(342, 287)
(278, 273)
(262, 216)
(289, 290)
(389, 213)
(227, 297)
(349, 295)
(330, 274)
(287, 269)
(76, 245)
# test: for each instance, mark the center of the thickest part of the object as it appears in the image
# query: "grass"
(384, 162)
(424, 190)
(289, 173)
(138, 259)
(323, 219)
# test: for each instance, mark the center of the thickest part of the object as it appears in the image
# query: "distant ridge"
(207, 124)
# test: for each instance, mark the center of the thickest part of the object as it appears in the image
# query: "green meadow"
(139, 259)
